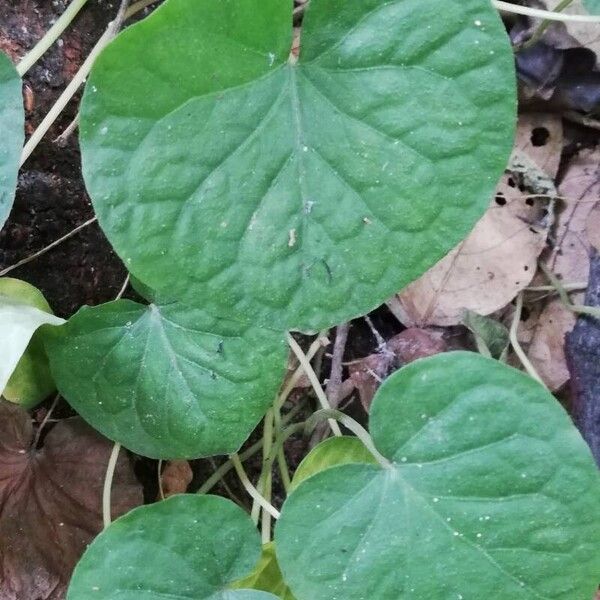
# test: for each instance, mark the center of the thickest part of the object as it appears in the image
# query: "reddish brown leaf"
(50, 502)
(409, 345)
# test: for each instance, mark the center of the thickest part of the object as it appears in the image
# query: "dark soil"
(51, 198)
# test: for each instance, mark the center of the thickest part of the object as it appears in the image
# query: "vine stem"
(314, 380)
(245, 455)
(578, 309)
(544, 14)
(355, 427)
(514, 341)
(543, 26)
(108, 479)
(252, 491)
(50, 37)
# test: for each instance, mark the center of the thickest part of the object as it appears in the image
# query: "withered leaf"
(50, 502)
(485, 271)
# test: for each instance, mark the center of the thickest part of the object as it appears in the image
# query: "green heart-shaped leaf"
(167, 381)
(299, 194)
(185, 547)
(12, 126)
(491, 493)
(334, 451)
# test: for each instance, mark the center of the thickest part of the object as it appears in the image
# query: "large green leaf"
(187, 547)
(12, 126)
(491, 493)
(166, 380)
(24, 373)
(299, 194)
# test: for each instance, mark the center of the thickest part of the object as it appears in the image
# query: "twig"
(161, 491)
(575, 117)
(334, 383)
(62, 139)
(49, 247)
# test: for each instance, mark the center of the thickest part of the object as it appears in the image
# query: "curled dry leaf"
(569, 260)
(176, 477)
(486, 271)
(411, 344)
(50, 502)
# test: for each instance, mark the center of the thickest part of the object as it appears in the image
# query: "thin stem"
(544, 14)
(262, 480)
(45, 420)
(161, 491)
(248, 453)
(539, 32)
(514, 340)
(314, 380)
(252, 491)
(50, 37)
(108, 479)
(47, 248)
(318, 343)
(281, 462)
(123, 287)
(579, 309)
(569, 287)
(355, 427)
(74, 84)
(137, 6)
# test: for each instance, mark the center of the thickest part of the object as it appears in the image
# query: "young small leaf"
(225, 174)
(166, 380)
(12, 126)
(330, 453)
(184, 547)
(24, 374)
(492, 493)
(266, 575)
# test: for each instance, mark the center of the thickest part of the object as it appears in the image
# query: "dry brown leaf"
(544, 333)
(411, 344)
(176, 477)
(540, 136)
(547, 349)
(50, 502)
(483, 273)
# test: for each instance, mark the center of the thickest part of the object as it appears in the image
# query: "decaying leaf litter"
(545, 210)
